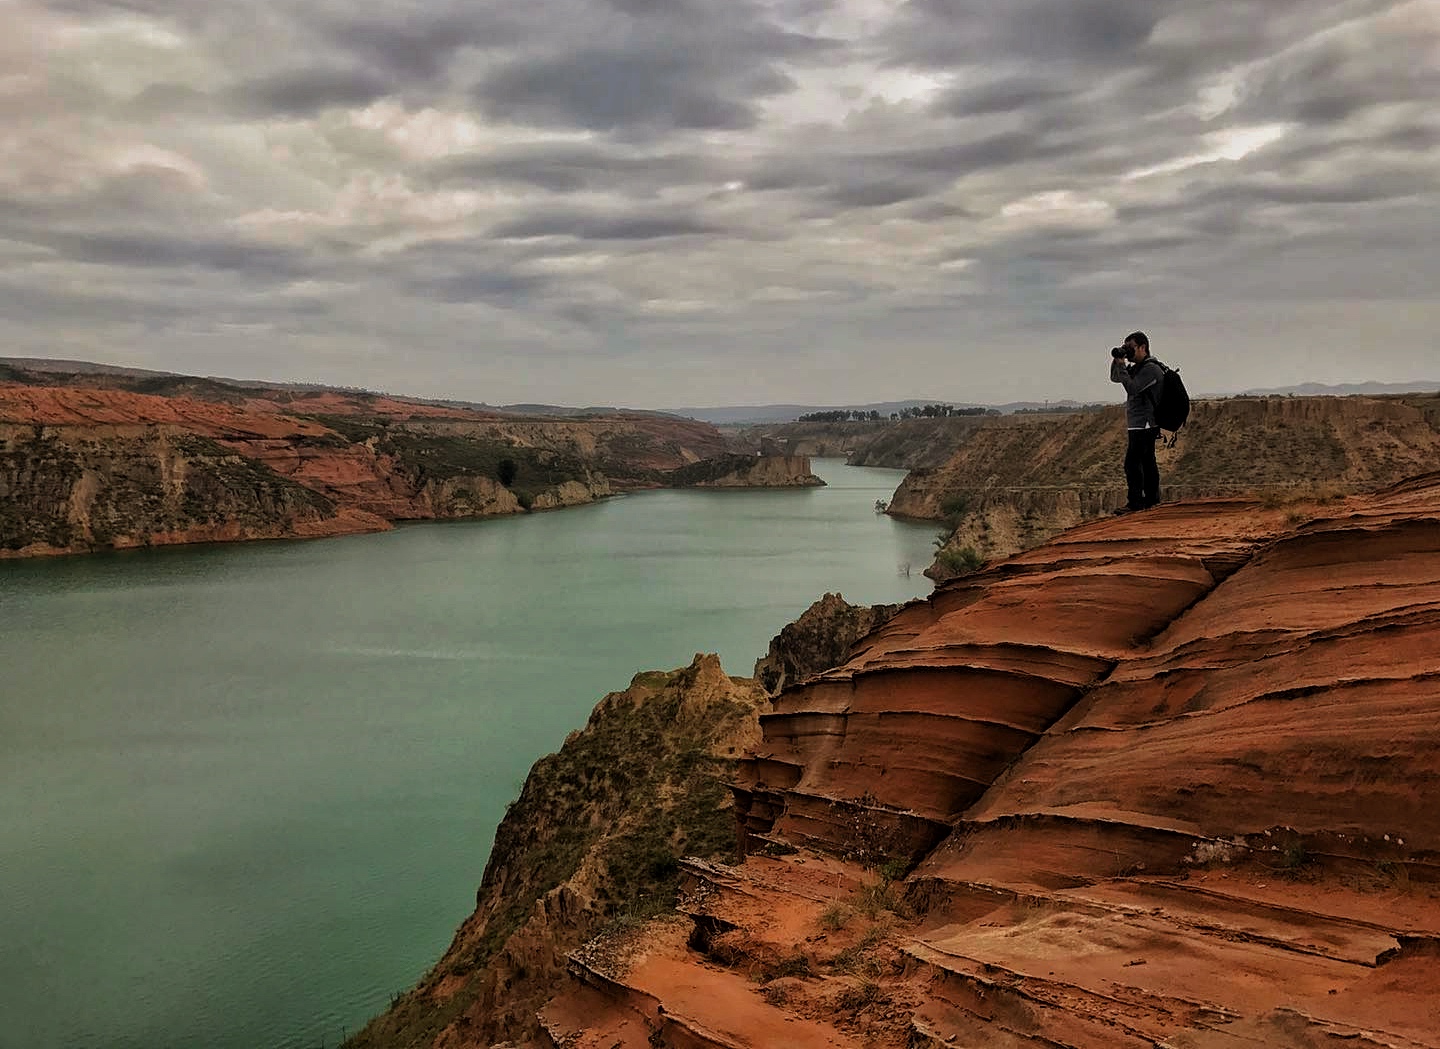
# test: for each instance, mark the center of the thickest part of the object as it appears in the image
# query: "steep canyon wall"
(86, 468)
(1168, 780)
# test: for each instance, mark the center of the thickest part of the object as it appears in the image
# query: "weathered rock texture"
(594, 840)
(1008, 485)
(1170, 780)
(906, 444)
(84, 468)
(747, 471)
(818, 641)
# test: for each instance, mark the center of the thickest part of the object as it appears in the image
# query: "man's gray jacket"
(1142, 390)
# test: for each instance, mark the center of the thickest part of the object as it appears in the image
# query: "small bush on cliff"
(960, 561)
(954, 507)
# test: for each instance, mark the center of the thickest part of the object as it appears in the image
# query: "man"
(1132, 366)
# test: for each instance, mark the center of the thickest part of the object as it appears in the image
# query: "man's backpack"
(1172, 406)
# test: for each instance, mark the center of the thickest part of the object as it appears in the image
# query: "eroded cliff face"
(747, 471)
(84, 468)
(593, 841)
(1168, 780)
(62, 491)
(905, 444)
(819, 640)
(1011, 485)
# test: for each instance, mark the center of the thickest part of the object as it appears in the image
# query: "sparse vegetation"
(866, 991)
(954, 507)
(797, 964)
(428, 451)
(959, 561)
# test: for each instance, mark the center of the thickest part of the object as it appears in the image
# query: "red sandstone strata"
(1171, 780)
(74, 448)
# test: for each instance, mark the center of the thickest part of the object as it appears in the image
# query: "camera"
(1127, 352)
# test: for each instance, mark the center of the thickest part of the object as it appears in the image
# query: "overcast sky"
(662, 202)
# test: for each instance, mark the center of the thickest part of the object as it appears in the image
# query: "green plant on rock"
(834, 918)
(960, 561)
(954, 507)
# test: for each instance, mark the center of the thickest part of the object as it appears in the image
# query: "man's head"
(1139, 344)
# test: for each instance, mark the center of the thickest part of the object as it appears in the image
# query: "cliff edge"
(593, 843)
(85, 468)
(1008, 484)
(747, 471)
(1168, 780)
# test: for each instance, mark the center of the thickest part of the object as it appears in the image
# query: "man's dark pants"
(1142, 476)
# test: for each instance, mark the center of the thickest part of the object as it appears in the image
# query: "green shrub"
(954, 507)
(961, 561)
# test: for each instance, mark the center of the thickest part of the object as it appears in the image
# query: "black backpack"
(1172, 405)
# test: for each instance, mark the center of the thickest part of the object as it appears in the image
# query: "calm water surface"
(247, 792)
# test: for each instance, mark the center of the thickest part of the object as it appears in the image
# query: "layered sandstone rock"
(593, 841)
(819, 640)
(85, 468)
(1170, 780)
(747, 471)
(63, 490)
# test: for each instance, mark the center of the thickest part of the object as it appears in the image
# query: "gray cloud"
(606, 89)
(601, 227)
(682, 185)
(1000, 96)
(944, 33)
(302, 92)
(154, 250)
(572, 167)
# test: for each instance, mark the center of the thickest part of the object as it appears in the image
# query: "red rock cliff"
(83, 468)
(1171, 780)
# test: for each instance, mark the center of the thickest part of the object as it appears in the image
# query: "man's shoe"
(1125, 510)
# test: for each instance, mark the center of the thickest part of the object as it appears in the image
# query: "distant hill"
(761, 414)
(1349, 389)
(718, 415)
(50, 370)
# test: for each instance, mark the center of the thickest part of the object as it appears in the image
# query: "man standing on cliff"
(1132, 366)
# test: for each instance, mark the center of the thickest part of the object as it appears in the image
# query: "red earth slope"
(1171, 780)
(85, 468)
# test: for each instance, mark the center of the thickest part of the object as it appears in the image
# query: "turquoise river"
(247, 791)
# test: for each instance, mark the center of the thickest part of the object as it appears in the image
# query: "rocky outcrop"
(747, 471)
(903, 444)
(61, 492)
(83, 468)
(1168, 780)
(819, 640)
(1010, 486)
(593, 841)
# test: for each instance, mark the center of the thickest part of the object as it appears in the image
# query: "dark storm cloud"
(646, 175)
(1330, 81)
(568, 167)
(1000, 96)
(653, 88)
(302, 92)
(1368, 188)
(853, 179)
(262, 262)
(506, 289)
(647, 67)
(943, 33)
(583, 226)
(416, 42)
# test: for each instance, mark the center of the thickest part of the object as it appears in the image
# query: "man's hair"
(1138, 338)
